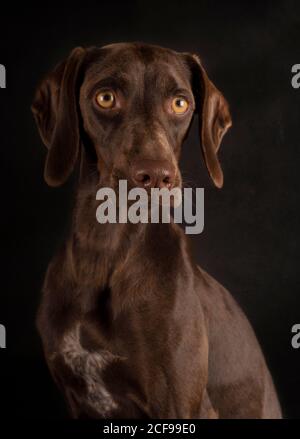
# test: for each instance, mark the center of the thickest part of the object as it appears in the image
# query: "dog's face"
(133, 104)
(137, 103)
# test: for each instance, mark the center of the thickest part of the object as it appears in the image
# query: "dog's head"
(132, 104)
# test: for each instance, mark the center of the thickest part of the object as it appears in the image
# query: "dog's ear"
(55, 109)
(214, 117)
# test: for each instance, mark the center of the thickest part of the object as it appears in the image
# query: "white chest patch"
(89, 367)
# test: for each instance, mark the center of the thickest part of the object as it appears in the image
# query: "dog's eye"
(179, 105)
(106, 99)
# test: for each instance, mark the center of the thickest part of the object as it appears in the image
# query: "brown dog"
(131, 327)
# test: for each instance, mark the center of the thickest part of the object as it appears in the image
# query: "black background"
(250, 242)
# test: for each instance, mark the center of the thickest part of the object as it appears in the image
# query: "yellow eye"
(106, 99)
(179, 105)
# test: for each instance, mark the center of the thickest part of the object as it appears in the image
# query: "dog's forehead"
(145, 52)
(135, 58)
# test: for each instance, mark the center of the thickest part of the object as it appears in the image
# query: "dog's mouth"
(164, 195)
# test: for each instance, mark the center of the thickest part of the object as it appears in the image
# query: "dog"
(131, 327)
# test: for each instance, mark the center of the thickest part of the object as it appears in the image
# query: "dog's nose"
(153, 174)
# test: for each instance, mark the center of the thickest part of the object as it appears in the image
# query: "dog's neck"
(97, 250)
(103, 256)
(100, 251)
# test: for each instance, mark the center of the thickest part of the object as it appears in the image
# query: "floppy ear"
(56, 114)
(214, 117)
